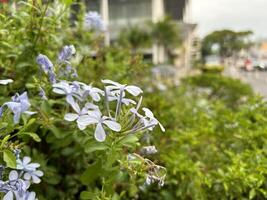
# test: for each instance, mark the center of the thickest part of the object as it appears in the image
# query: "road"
(257, 79)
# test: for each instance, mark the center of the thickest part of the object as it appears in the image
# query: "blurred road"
(257, 79)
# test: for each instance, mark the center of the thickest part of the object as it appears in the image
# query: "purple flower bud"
(66, 53)
(44, 62)
(42, 94)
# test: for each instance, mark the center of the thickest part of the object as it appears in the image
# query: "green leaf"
(57, 132)
(91, 174)
(252, 194)
(10, 159)
(67, 2)
(33, 135)
(95, 147)
(129, 139)
(4, 141)
(87, 195)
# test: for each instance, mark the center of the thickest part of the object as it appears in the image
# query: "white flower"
(151, 119)
(149, 150)
(95, 117)
(6, 81)
(15, 187)
(80, 113)
(25, 164)
(64, 88)
(34, 176)
(117, 87)
(124, 100)
(91, 91)
(29, 169)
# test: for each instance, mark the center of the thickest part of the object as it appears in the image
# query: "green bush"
(209, 150)
(212, 69)
(216, 134)
(231, 91)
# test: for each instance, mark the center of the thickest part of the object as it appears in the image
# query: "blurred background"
(203, 67)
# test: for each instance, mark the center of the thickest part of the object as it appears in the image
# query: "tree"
(166, 33)
(225, 43)
(135, 37)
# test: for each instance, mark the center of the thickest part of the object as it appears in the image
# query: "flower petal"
(148, 113)
(81, 126)
(86, 120)
(106, 81)
(13, 175)
(115, 126)
(8, 196)
(58, 91)
(100, 134)
(71, 117)
(27, 176)
(31, 196)
(71, 101)
(39, 173)
(134, 90)
(35, 179)
(26, 160)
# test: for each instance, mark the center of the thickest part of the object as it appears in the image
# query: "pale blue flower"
(14, 187)
(117, 87)
(80, 113)
(71, 91)
(150, 119)
(95, 117)
(124, 100)
(146, 122)
(88, 90)
(148, 150)
(94, 21)
(19, 104)
(30, 169)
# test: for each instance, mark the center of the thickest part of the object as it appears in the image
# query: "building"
(119, 14)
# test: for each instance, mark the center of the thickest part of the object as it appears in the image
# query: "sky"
(233, 14)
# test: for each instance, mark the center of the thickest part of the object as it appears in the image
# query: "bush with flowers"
(75, 125)
(85, 141)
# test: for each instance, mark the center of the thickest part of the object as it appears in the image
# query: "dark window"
(175, 8)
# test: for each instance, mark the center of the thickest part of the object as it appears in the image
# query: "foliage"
(231, 91)
(211, 151)
(166, 33)
(135, 37)
(225, 43)
(213, 148)
(89, 167)
(212, 68)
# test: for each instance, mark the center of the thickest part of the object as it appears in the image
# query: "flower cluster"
(83, 99)
(19, 180)
(94, 21)
(19, 105)
(87, 103)
(65, 68)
